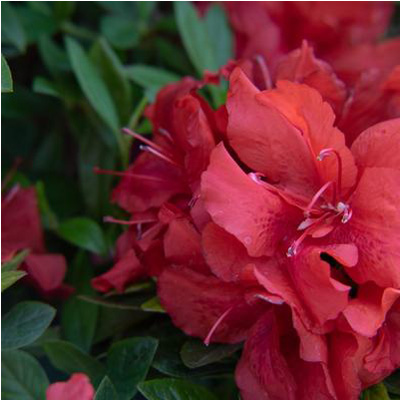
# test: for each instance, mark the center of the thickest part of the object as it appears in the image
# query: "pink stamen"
(143, 139)
(101, 171)
(316, 197)
(165, 133)
(327, 152)
(160, 155)
(215, 326)
(264, 70)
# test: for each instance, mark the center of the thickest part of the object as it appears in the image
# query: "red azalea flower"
(77, 387)
(21, 229)
(185, 132)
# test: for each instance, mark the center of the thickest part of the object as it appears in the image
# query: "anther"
(327, 152)
(143, 139)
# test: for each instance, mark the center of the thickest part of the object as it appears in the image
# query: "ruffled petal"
(375, 228)
(196, 302)
(77, 387)
(367, 312)
(266, 141)
(255, 216)
(379, 146)
(126, 270)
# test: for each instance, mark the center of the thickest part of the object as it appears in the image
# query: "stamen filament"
(326, 152)
(215, 326)
(101, 171)
(316, 197)
(159, 154)
(143, 140)
(264, 70)
(130, 222)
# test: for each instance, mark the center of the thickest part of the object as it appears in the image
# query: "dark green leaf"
(6, 79)
(22, 377)
(112, 72)
(150, 77)
(196, 354)
(153, 305)
(68, 358)
(393, 383)
(174, 389)
(128, 362)
(106, 390)
(54, 58)
(11, 28)
(120, 31)
(84, 233)
(196, 40)
(376, 392)
(8, 278)
(217, 27)
(49, 218)
(24, 323)
(78, 322)
(63, 10)
(94, 88)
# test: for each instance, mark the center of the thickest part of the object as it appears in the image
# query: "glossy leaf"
(153, 305)
(106, 390)
(84, 233)
(128, 362)
(196, 354)
(24, 323)
(69, 358)
(22, 377)
(6, 79)
(11, 27)
(150, 77)
(8, 278)
(174, 389)
(119, 30)
(376, 392)
(15, 262)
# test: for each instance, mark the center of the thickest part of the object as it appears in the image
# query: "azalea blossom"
(21, 229)
(77, 387)
(167, 170)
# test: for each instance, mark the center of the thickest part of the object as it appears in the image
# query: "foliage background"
(81, 71)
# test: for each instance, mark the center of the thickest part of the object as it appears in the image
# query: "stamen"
(165, 133)
(193, 201)
(327, 152)
(143, 139)
(215, 326)
(316, 197)
(158, 154)
(264, 70)
(346, 210)
(101, 171)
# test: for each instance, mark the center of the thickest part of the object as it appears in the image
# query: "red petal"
(20, 225)
(195, 302)
(77, 387)
(225, 255)
(47, 271)
(379, 146)
(255, 216)
(126, 270)
(375, 228)
(367, 312)
(266, 141)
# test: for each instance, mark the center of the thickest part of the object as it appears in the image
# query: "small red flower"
(21, 229)
(77, 387)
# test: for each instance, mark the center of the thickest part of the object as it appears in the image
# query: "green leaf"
(84, 233)
(196, 40)
(6, 79)
(94, 89)
(11, 28)
(153, 305)
(24, 323)
(22, 377)
(14, 263)
(150, 77)
(376, 392)
(54, 58)
(112, 72)
(106, 390)
(8, 278)
(128, 362)
(196, 354)
(49, 218)
(63, 10)
(217, 27)
(174, 389)
(68, 358)
(120, 31)
(78, 322)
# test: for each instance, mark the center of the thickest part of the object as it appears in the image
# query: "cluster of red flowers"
(274, 220)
